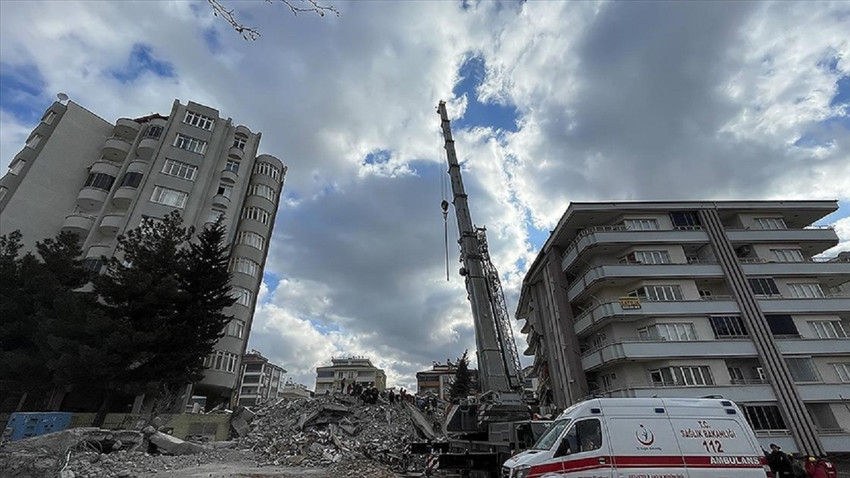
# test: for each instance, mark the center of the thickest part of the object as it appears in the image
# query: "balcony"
(91, 199)
(146, 147)
(126, 128)
(738, 393)
(630, 308)
(221, 200)
(634, 349)
(830, 273)
(124, 197)
(823, 392)
(229, 176)
(619, 235)
(830, 304)
(79, 224)
(812, 240)
(235, 153)
(798, 346)
(633, 271)
(111, 224)
(116, 148)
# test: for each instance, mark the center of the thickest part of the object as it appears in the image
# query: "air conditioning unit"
(744, 250)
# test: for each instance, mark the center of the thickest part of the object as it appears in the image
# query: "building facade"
(695, 299)
(261, 380)
(439, 379)
(81, 173)
(344, 371)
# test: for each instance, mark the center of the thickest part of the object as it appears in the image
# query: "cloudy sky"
(551, 102)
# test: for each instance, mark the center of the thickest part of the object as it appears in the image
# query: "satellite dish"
(62, 97)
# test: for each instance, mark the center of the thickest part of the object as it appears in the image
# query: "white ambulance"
(644, 438)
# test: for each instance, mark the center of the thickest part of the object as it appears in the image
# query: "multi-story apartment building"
(81, 173)
(439, 379)
(694, 299)
(349, 370)
(261, 380)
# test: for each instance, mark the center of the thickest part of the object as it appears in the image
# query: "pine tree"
(462, 385)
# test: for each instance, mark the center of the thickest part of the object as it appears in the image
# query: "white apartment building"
(695, 299)
(78, 172)
(261, 380)
(349, 370)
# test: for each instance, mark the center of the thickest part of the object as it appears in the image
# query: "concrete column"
(137, 404)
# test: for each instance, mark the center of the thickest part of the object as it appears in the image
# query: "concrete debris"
(337, 431)
(174, 446)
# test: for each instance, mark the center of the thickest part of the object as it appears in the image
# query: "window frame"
(256, 244)
(775, 417)
(189, 143)
(179, 169)
(225, 190)
(246, 266)
(734, 323)
(239, 142)
(806, 290)
(788, 254)
(842, 369)
(267, 169)
(645, 224)
(798, 367)
(101, 181)
(767, 284)
(199, 121)
(153, 131)
(254, 190)
(33, 140)
(822, 329)
(773, 223)
(244, 297)
(160, 193)
(257, 214)
(659, 293)
(127, 179)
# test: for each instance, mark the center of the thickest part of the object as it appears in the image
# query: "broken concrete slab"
(175, 446)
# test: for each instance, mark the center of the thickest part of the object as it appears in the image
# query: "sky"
(551, 102)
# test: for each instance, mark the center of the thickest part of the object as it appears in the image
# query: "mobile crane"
(486, 430)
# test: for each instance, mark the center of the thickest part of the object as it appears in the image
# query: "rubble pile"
(336, 431)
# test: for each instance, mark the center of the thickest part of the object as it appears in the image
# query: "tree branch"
(251, 33)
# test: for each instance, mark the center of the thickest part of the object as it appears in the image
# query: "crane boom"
(498, 362)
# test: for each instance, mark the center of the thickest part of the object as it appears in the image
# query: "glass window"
(728, 326)
(658, 293)
(246, 266)
(48, 117)
(828, 329)
(647, 257)
(771, 222)
(548, 440)
(131, 180)
(267, 170)
(782, 325)
(803, 369)
(688, 376)
(736, 374)
(641, 224)
(685, 220)
(764, 417)
(100, 181)
(16, 166)
(200, 121)
(224, 190)
(262, 190)
(763, 286)
(3, 191)
(843, 371)
(93, 264)
(788, 255)
(252, 239)
(239, 142)
(243, 296)
(232, 166)
(153, 131)
(586, 435)
(33, 140)
(256, 214)
(805, 290)
(236, 328)
(189, 143)
(179, 169)
(609, 380)
(169, 197)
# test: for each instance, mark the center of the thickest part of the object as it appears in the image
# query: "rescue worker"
(779, 462)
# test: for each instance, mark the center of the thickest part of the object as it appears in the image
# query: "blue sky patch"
(21, 88)
(842, 96)
(378, 156)
(472, 74)
(212, 40)
(271, 279)
(141, 60)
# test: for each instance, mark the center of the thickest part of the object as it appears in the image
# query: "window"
(190, 144)
(33, 140)
(222, 361)
(805, 291)
(764, 417)
(224, 190)
(100, 181)
(263, 191)
(169, 197)
(658, 293)
(256, 214)
(131, 180)
(586, 435)
(200, 121)
(736, 375)
(153, 131)
(609, 380)
(787, 255)
(763, 286)
(251, 379)
(267, 169)
(759, 371)
(647, 257)
(729, 326)
(771, 222)
(641, 224)
(828, 329)
(214, 215)
(93, 264)
(48, 117)
(782, 325)
(687, 376)
(246, 266)
(843, 371)
(232, 166)
(705, 294)
(671, 332)
(243, 296)
(179, 169)
(252, 239)
(16, 166)
(236, 328)
(803, 369)
(239, 142)
(3, 191)
(685, 220)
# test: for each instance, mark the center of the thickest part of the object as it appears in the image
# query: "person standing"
(779, 462)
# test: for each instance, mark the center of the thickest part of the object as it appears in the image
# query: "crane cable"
(444, 205)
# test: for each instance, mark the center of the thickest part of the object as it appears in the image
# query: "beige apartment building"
(261, 380)
(349, 370)
(78, 172)
(696, 299)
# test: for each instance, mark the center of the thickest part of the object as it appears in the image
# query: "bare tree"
(295, 6)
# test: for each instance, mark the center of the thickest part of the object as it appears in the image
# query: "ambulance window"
(548, 440)
(586, 435)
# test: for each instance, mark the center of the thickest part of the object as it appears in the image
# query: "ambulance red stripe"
(673, 461)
